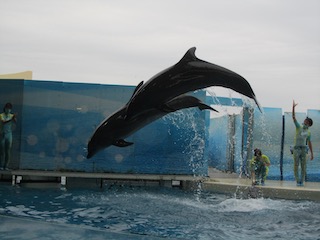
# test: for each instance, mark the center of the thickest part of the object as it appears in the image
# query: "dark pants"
(300, 160)
(5, 149)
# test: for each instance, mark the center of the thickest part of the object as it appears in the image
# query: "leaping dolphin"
(188, 75)
(115, 128)
(162, 94)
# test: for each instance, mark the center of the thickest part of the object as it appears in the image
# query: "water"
(166, 213)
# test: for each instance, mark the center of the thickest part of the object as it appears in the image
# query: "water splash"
(194, 143)
(266, 137)
(234, 106)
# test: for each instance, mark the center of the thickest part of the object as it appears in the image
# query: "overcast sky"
(274, 44)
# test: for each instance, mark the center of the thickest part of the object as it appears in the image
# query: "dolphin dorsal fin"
(136, 89)
(189, 55)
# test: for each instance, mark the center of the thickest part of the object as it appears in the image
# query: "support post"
(282, 147)
(231, 142)
(63, 180)
(13, 182)
(247, 138)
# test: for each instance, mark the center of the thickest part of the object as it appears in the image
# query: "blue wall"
(12, 91)
(313, 167)
(267, 135)
(218, 142)
(56, 120)
(267, 132)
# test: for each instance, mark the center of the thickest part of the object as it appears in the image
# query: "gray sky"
(274, 44)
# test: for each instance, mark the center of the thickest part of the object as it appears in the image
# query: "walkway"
(242, 187)
(217, 181)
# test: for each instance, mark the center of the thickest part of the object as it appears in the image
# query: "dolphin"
(188, 75)
(115, 128)
(162, 94)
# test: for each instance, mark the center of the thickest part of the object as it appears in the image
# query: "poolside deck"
(216, 182)
(272, 189)
(65, 178)
(242, 187)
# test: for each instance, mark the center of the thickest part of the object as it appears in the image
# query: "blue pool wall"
(313, 167)
(273, 132)
(56, 120)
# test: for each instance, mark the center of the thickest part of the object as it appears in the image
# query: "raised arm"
(293, 110)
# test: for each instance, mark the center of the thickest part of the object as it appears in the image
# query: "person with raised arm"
(302, 139)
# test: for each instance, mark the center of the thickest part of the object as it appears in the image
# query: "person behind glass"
(6, 120)
(259, 165)
(301, 140)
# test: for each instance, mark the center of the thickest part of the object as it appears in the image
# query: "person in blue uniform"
(302, 139)
(7, 119)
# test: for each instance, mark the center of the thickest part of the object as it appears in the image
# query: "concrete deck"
(217, 181)
(242, 187)
(70, 178)
(122, 176)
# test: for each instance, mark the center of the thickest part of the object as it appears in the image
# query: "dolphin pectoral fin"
(166, 108)
(185, 101)
(122, 143)
(203, 106)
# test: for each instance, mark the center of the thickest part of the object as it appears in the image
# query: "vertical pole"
(13, 180)
(247, 137)
(250, 134)
(63, 181)
(282, 147)
(231, 142)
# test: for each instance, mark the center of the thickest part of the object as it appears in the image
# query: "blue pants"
(300, 159)
(5, 149)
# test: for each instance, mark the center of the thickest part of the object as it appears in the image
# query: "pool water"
(164, 212)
